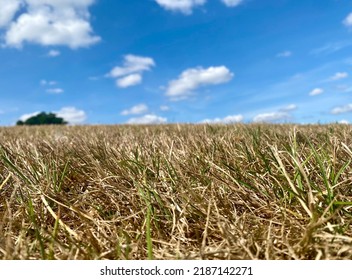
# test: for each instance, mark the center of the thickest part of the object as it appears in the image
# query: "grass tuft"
(251, 191)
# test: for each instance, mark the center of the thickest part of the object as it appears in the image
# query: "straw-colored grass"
(176, 192)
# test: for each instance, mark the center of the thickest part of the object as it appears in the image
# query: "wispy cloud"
(186, 6)
(284, 54)
(232, 3)
(341, 110)
(348, 20)
(55, 90)
(48, 83)
(271, 117)
(316, 91)
(282, 114)
(54, 53)
(129, 81)
(289, 108)
(225, 120)
(164, 108)
(339, 76)
(147, 119)
(131, 70)
(332, 47)
(343, 122)
(135, 110)
(193, 78)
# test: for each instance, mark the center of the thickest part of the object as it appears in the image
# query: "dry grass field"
(176, 192)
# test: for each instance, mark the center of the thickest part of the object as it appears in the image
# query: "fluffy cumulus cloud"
(316, 91)
(47, 22)
(72, 115)
(129, 74)
(193, 78)
(343, 122)
(147, 119)
(226, 120)
(339, 76)
(135, 110)
(184, 6)
(342, 110)
(8, 8)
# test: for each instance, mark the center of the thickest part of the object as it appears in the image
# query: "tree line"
(43, 119)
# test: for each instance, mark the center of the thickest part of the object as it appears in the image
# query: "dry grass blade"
(70, 231)
(176, 192)
(5, 181)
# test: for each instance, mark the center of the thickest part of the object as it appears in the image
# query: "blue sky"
(166, 61)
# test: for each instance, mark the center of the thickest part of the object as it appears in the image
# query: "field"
(176, 192)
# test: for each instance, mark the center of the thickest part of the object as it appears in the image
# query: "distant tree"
(42, 119)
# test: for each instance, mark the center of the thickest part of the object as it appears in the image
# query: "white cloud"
(147, 119)
(136, 110)
(344, 88)
(184, 6)
(69, 114)
(341, 110)
(339, 76)
(54, 53)
(289, 108)
(164, 108)
(343, 122)
(316, 91)
(331, 47)
(48, 83)
(284, 54)
(8, 10)
(129, 81)
(348, 20)
(132, 64)
(226, 120)
(49, 23)
(27, 116)
(72, 115)
(55, 90)
(133, 67)
(271, 117)
(283, 114)
(193, 78)
(232, 3)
